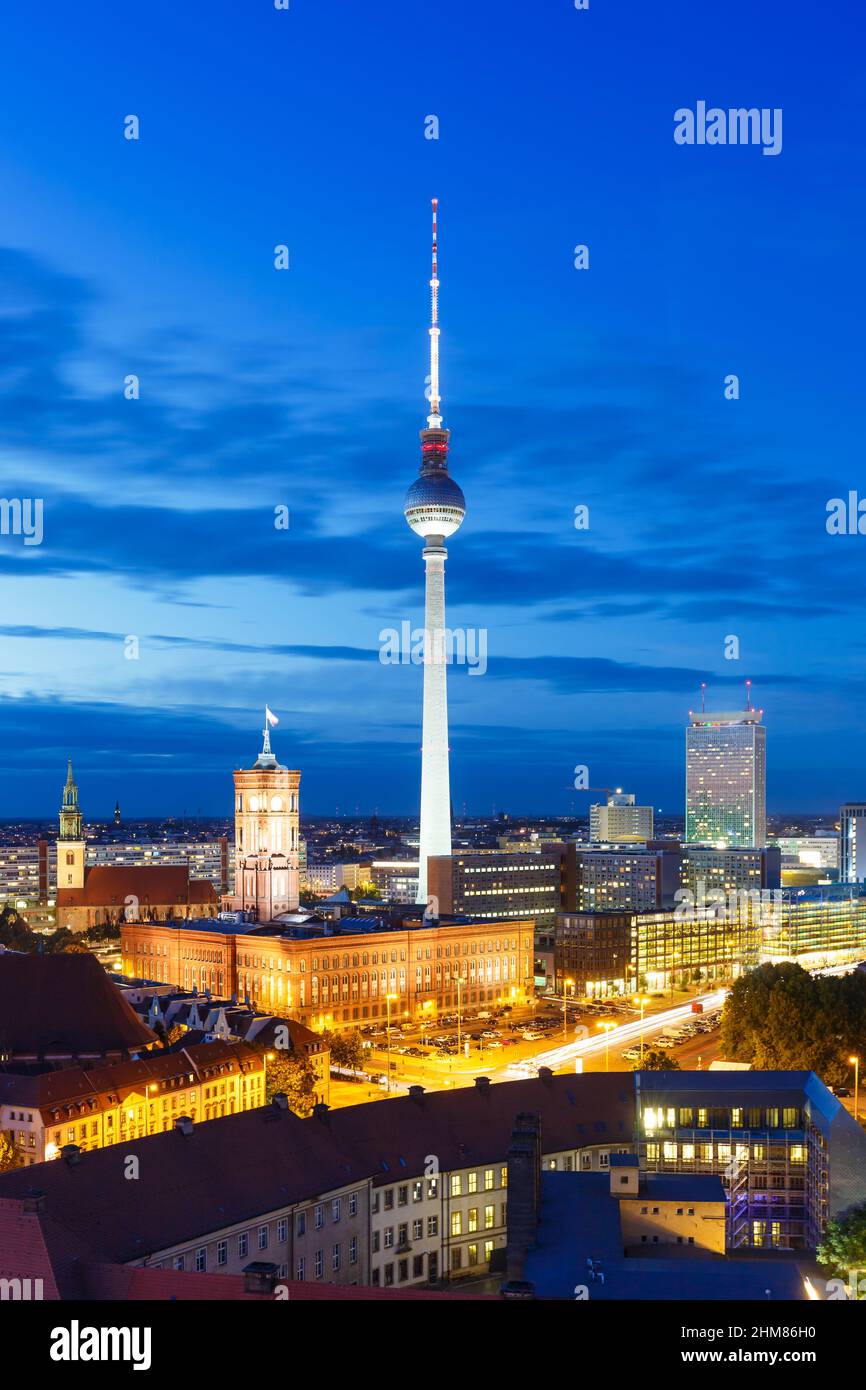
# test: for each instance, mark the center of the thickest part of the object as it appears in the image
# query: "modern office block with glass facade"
(726, 779)
(789, 1154)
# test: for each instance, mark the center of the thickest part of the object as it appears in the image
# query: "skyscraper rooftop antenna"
(748, 695)
(703, 697)
(434, 419)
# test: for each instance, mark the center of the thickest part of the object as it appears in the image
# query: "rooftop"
(64, 1005)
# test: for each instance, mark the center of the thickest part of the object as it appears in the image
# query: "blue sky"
(304, 388)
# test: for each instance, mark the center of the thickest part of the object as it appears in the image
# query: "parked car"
(532, 1036)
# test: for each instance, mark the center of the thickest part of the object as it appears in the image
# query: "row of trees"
(781, 1017)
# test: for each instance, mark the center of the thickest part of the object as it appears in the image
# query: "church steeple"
(70, 812)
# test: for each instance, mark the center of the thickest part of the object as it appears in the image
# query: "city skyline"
(262, 389)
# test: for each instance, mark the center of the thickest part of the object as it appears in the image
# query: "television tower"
(434, 508)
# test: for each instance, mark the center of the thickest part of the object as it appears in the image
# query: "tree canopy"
(781, 1017)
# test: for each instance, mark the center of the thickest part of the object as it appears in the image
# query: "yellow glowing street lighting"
(642, 1000)
(565, 985)
(388, 999)
(855, 1062)
(606, 1027)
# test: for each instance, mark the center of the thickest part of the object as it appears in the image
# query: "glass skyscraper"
(726, 779)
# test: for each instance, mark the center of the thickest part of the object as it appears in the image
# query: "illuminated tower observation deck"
(434, 509)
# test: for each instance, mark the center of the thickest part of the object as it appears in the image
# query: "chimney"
(416, 1092)
(260, 1277)
(524, 1192)
(320, 1111)
(34, 1202)
(545, 1075)
(482, 1083)
(72, 1154)
(183, 1124)
(280, 1100)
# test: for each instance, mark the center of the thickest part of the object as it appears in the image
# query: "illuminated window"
(456, 1185)
(456, 1223)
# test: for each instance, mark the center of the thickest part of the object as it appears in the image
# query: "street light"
(388, 998)
(606, 1027)
(643, 1001)
(855, 1062)
(459, 987)
(565, 985)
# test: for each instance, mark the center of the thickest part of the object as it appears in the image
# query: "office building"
(619, 821)
(328, 974)
(498, 885)
(852, 842)
(396, 880)
(726, 778)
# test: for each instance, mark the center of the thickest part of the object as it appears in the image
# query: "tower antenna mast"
(434, 419)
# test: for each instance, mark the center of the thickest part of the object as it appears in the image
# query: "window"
(336, 1256)
(201, 1259)
(263, 1237)
(353, 1250)
(389, 1237)
(319, 1216)
(179, 1262)
(432, 1225)
(472, 1254)
(243, 1245)
(417, 1191)
(488, 1179)
(320, 1263)
(402, 1196)
(432, 1189)
(222, 1252)
(473, 1182)
(300, 1269)
(353, 1204)
(417, 1230)
(456, 1223)
(301, 1223)
(336, 1207)
(456, 1185)
(375, 1242)
(489, 1217)
(472, 1224)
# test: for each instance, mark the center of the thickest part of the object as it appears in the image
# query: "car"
(662, 1042)
(841, 1091)
(495, 1043)
(490, 1033)
(516, 1288)
(532, 1036)
(632, 1054)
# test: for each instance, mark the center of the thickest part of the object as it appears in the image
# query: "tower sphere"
(435, 505)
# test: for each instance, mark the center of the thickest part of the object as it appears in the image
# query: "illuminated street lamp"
(642, 1000)
(388, 998)
(855, 1062)
(606, 1027)
(565, 985)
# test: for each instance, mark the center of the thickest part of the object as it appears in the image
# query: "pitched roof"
(64, 1005)
(76, 1086)
(109, 885)
(236, 1168)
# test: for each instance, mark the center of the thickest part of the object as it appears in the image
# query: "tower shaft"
(435, 826)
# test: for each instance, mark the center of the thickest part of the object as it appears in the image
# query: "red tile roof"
(109, 885)
(64, 1005)
(239, 1167)
(73, 1086)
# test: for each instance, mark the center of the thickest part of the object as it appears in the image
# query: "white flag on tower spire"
(270, 718)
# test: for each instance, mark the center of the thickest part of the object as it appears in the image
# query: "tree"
(346, 1049)
(844, 1245)
(656, 1059)
(292, 1073)
(781, 1017)
(8, 1156)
